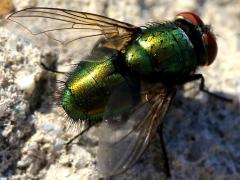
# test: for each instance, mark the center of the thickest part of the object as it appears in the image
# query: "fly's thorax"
(162, 49)
(89, 86)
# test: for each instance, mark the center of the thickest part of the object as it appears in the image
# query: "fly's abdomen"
(90, 84)
(163, 49)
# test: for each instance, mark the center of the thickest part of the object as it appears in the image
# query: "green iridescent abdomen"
(163, 50)
(90, 84)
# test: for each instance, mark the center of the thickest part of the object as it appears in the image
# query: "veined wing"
(123, 140)
(66, 26)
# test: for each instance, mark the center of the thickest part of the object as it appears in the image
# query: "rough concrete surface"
(201, 132)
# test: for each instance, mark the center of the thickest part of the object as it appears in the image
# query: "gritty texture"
(201, 132)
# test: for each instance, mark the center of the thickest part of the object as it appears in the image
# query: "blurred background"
(201, 133)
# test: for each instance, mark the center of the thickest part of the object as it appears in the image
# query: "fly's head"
(201, 36)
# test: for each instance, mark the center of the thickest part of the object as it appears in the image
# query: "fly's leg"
(75, 137)
(50, 69)
(165, 157)
(202, 88)
(89, 125)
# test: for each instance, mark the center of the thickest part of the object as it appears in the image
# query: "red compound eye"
(208, 37)
(190, 17)
(211, 46)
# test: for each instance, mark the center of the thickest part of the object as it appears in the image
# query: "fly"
(127, 82)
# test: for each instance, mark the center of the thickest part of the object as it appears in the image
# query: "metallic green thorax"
(164, 50)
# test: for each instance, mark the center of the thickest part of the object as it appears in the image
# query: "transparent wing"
(66, 26)
(124, 137)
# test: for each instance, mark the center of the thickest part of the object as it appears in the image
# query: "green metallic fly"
(127, 82)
